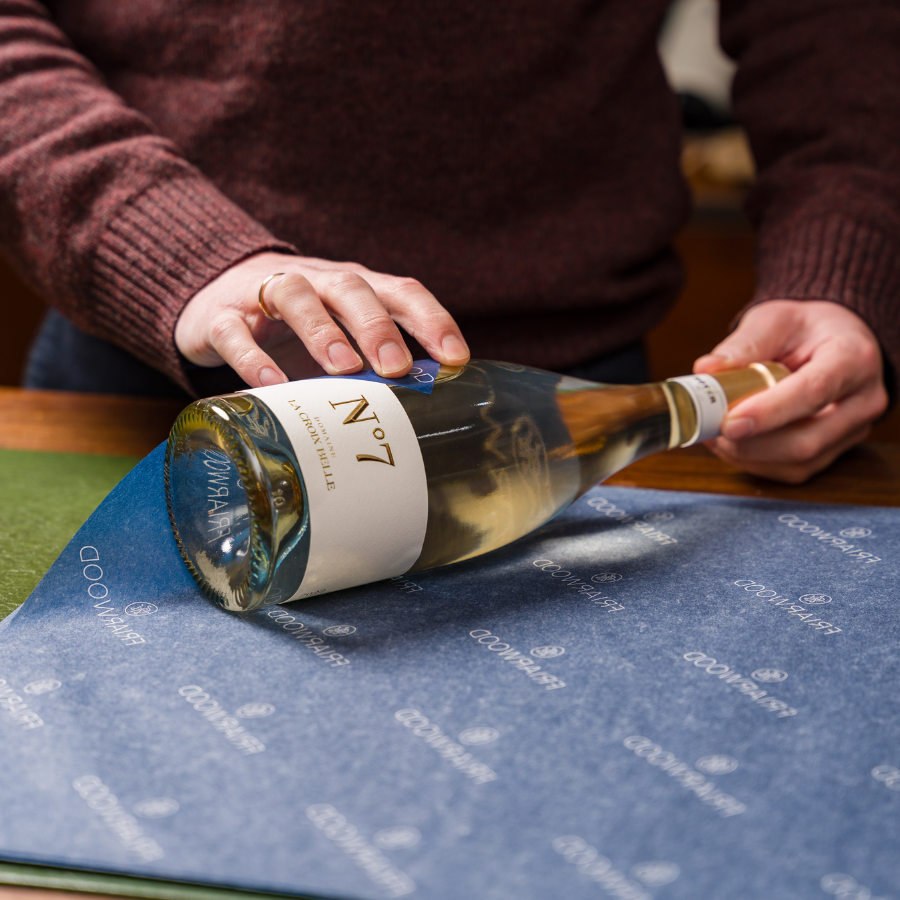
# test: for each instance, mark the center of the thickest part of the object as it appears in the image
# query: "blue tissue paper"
(656, 695)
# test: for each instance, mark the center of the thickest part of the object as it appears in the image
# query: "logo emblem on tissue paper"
(856, 532)
(845, 887)
(658, 516)
(889, 775)
(655, 872)
(156, 808)
(716, 765)
(255, 710)
(339, 630)
(815, 599)
(42, 687)
(606, 577)
(480, 734)
(141, 609)
(768, 676)
(400, 837)
(547, 652)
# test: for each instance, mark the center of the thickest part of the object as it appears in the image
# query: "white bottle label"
(710, 405)
(365, 480)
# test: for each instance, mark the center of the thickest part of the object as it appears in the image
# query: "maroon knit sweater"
(521, 161)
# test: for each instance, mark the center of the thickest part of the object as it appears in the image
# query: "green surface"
(46, 497)
(121, 885)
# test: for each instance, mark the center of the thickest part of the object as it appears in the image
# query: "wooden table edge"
(132, 426)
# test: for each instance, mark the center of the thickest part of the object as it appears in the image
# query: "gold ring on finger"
(262, 302)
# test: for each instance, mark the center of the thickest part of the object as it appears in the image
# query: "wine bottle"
(298, 489)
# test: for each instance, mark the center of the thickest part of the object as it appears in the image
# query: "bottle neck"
(698, 403)
(614, 425)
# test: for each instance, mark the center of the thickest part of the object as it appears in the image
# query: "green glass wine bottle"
(299, 489)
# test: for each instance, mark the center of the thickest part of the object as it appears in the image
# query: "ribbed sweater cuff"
(839, 260)
(157, 253)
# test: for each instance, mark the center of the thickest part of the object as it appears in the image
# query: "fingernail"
(392, 357)
(454, 348)
(715, 360)
(738, 429)
(268, 377)
(342, 357)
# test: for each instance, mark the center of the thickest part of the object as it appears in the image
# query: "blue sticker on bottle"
(421, 377)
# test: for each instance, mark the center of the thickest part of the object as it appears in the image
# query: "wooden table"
(126, 426)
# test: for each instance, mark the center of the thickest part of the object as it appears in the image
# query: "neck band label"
(710, 405)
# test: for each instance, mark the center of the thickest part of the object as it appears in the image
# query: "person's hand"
(223, 322)
(825, 406)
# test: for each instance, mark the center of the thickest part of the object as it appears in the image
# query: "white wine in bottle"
(299, 489)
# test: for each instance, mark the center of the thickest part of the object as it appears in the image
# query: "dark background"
(717, 247)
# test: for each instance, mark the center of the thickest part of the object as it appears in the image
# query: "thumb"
(763, 334)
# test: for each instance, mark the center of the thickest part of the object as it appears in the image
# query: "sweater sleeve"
(818, 90)
(98, 213)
